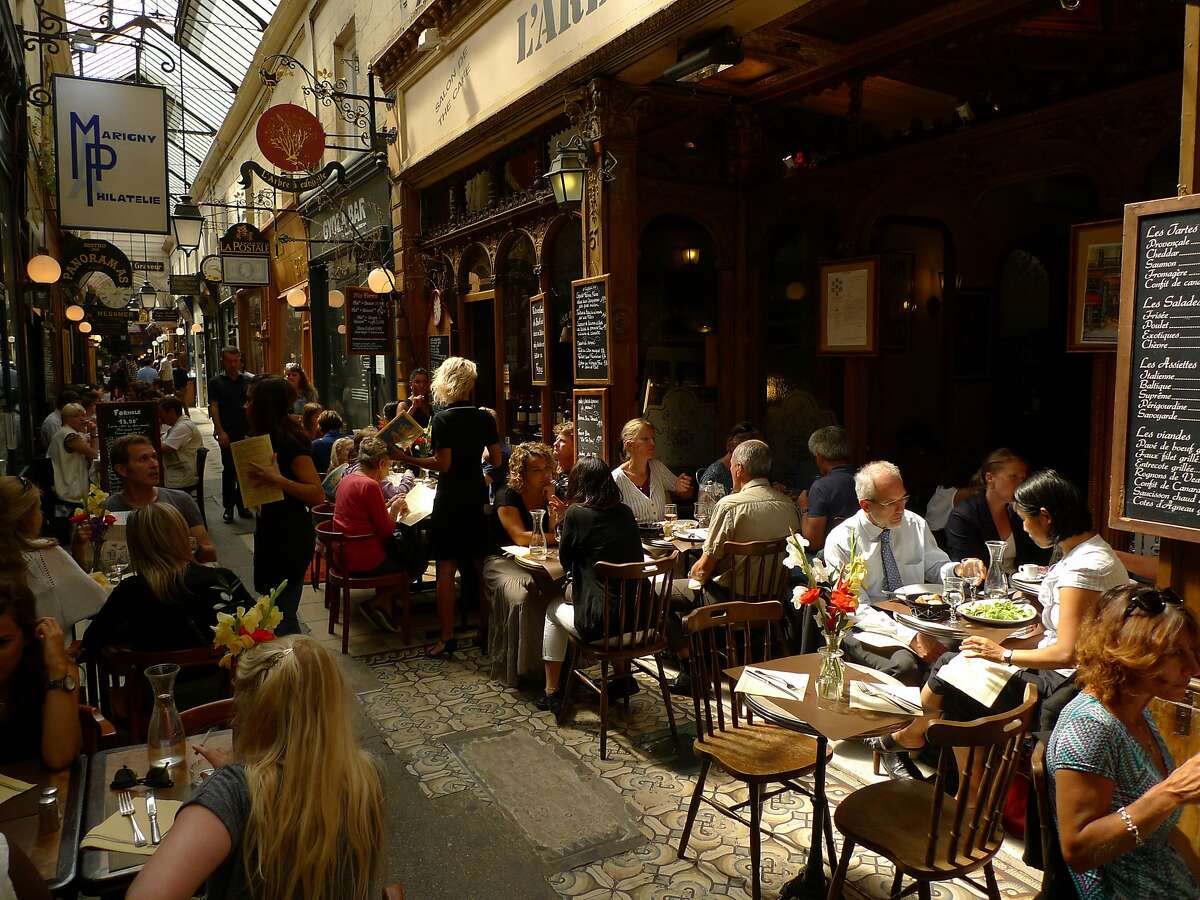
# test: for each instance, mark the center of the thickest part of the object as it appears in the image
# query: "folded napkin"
(516, 550)
(880, 641)
(11, 787)
(749, 684)
(977, 677)
(115, 832)
(874, 697)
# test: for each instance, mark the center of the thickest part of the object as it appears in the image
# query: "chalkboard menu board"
(589, 322)
(439, 350)
(114, 420)
(1156, 454)
(368, 317)
(537, 338)
(591, 417)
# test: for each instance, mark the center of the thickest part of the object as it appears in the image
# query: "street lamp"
(336, 299)
(296, 298)
(381, 280)
(567, 172)
(187, 224)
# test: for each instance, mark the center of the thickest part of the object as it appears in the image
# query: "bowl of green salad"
(1000, 613)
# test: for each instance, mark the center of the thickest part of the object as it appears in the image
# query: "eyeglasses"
(904, 499)
(1150, 601)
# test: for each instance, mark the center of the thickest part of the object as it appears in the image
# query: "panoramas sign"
(110, 141)
(520, 47)
(290, 137)
(82, 256)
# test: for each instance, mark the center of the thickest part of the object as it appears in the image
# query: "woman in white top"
(71, 452)
(644, 482)
(1054, 513)
(62, 589)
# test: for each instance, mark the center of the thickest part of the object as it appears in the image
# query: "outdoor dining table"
(101, 871)
(53, 851)
(825, 721)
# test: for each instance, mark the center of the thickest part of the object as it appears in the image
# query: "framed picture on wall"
(1095, 286)
(849, 306)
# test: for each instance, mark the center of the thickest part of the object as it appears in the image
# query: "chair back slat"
(759, 571)
(994, 742)
(721, 636)
(636, 601)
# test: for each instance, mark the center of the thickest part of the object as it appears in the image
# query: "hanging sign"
(110, 321)
(164, 315)
(86, 255)
(290, 137)
(367, 322)
(115, 420)
(293, 184)
(245, 256)
(110, 145)
(185, 285)
(537, 339)
(147, 265)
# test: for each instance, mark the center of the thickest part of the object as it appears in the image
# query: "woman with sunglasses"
(1118, 794)
(1055, 514)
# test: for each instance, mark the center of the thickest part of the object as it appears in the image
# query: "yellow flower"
(251, 619)
(273, 619)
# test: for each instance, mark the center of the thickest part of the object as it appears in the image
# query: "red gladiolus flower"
(810, 596)
(79, 517)
(108, 520)
(261, 635)
(843, 600)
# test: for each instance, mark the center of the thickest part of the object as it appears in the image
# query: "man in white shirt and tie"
(899, 549)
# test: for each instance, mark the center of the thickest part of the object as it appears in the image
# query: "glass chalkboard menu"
(439, 350)
(367, 319)
(114, 420)
(589, 322)
(537, 338)
(1156, 454)
(591, 416)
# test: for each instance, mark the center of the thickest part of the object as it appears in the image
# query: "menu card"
(258, 450)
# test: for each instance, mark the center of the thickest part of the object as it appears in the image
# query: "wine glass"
(670, 514)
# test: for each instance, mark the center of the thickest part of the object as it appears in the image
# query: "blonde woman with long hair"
(258, 828)
(643, 480)
(460, 433)
(62, 590)
(171, 603)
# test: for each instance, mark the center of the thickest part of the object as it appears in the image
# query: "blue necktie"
(891, 571)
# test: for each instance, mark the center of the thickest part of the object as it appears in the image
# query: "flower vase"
(97, 558)
(831, 676)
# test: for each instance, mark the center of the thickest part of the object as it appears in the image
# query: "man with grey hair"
(831, 499)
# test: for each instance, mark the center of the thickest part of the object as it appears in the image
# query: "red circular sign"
(291, 138)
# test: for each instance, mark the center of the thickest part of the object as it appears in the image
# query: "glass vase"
(165, 738)
(831, 676)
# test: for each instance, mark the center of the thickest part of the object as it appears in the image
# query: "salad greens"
(998, 610)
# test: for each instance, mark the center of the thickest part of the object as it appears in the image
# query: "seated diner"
(645, 482)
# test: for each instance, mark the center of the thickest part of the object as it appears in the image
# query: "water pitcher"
(165, 739)
(996, 585)
(537, 542)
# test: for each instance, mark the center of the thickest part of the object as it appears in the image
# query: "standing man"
(148, 374)
(180, 441)
(227, 406)
(166, 379)
(831, 499)
(179, 379)
(54, 419)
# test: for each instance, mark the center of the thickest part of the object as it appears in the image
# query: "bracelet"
(1129, 826)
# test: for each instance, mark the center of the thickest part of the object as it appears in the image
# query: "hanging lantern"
(74, 312)
(148, 295)
(44, 268)
(187, 224)
(336, 299)
(381, 280)
(567, 170)
(297, 298)
(85, 327)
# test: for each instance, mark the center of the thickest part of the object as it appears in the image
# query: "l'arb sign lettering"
(110, 141)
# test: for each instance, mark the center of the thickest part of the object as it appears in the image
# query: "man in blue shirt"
(147, 374)
(330, 427)
(831, 499)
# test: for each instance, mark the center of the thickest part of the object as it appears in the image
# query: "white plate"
(690, 534)
(1030, 615)
(916, 590)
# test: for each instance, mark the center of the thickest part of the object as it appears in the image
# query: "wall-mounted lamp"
(336, 299)
(691, 256)
(197, 328)
(568, 169)
(85, 327)
(74, 312)
(381, 280)
(44, 268)
(297, 298)
(342, 329)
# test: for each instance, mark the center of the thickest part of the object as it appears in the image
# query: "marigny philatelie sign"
(110, 141)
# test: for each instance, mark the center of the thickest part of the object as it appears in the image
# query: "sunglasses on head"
(1151, 601)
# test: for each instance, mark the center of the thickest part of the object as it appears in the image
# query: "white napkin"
(11, 787)
(977, 677)
(516, 550)
(879, 641)
(868, 618)
(795, 683)
(860, 699)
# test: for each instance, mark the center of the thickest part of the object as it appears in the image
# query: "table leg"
(810, 884)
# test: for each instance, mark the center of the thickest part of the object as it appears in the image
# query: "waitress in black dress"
(458, 527)
(283, 534)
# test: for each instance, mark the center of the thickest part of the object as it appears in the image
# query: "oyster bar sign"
(523, 45)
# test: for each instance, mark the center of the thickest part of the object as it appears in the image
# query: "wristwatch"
(1008, 655)
(66, 683)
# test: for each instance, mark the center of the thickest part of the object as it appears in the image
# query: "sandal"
(447, 651)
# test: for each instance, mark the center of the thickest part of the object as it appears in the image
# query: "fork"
(125, 807)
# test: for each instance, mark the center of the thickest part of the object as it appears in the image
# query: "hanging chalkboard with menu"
(589, 324)
(114, 420)
(439, 350)
(591, 418)
(368, 316)
(537, 338)
(1155, 484)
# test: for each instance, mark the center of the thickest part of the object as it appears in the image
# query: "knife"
(778, 684)
(152, 813)
(900, 702)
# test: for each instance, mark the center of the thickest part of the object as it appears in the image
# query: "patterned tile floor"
(426, 708)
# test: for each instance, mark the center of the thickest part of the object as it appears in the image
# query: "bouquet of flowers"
(422, 446)
(95, 515)
(243, 628)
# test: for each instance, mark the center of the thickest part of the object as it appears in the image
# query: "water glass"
(954, 590)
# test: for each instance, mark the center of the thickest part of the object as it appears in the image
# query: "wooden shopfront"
(286, 331)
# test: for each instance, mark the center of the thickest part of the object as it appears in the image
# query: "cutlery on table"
(872, 691)
(125, 807)
(152, 813)
(778, 683)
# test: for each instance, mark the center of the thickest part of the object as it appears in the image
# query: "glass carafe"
(537, 541)
(996, 585)
(165, 739)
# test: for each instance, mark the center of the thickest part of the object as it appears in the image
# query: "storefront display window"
(519, 283)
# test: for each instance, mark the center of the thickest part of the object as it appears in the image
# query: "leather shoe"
(899, 767)
(549, 702)
(245, 513)
(682, 684)
(227, 516)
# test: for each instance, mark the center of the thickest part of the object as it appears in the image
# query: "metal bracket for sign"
(356, 109)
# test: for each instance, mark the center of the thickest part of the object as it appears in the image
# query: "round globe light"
(85, 327)
(336, 299)
(296, 298)
(44, 269)
(381, 280)
(197, 328)
(74, 312)
(341, 329)
(179, 330)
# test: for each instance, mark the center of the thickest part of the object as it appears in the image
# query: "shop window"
(518, 283)
(479, 190)
(565, 260)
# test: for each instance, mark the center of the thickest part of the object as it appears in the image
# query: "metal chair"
(338, 578)
(928, 834)
(637, 597)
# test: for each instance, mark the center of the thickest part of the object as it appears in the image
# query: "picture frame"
(849, 307)
(1094, 286)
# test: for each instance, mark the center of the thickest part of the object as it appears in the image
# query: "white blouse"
(1091, 566)
(646, 509)
(62, 589)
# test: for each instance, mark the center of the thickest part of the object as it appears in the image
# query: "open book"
(401, 431)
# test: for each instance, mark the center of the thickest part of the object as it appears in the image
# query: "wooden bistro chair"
(217, 714)
(322, 512)
(635, 629)
(927, 834)
(197, 489)
(757, 754)
(339, 582)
